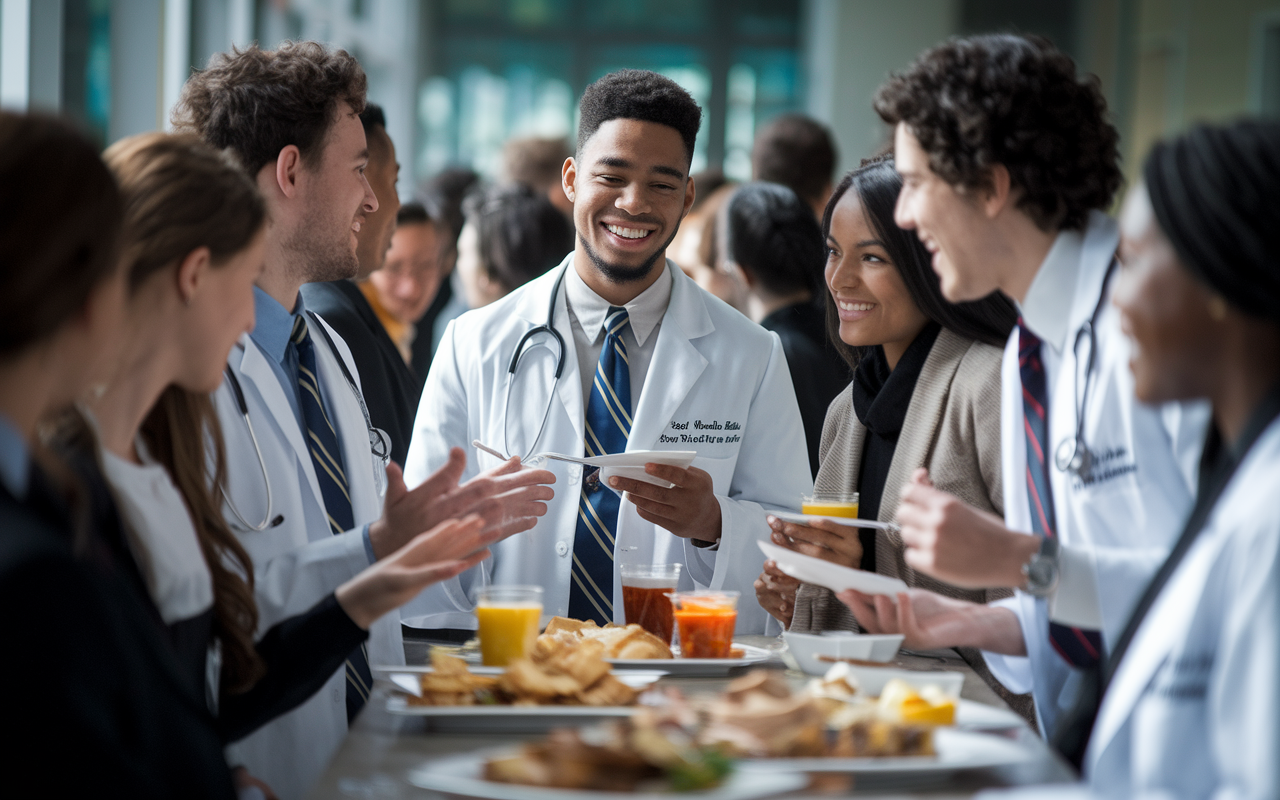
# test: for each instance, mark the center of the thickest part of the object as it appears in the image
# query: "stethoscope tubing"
(514, 366)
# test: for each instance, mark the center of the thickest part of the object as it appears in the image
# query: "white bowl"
(806, 647)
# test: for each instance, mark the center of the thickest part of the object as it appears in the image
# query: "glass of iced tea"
(705, 620)
(644, 596)
(509, 618)
(831, 504)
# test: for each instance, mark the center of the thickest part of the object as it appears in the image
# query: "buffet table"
(383, 747)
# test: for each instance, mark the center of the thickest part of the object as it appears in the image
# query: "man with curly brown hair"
(1009, 162)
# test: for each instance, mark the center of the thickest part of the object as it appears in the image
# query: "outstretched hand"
(929, 621)
(439, 554)
(508, 498)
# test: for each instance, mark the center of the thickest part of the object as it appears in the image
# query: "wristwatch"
(1042, 570)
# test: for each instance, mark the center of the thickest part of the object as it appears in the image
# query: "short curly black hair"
(643, 95)
(1013, 100)
(257, 102)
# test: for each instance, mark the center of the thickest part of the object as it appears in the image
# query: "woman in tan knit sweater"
(926, 393)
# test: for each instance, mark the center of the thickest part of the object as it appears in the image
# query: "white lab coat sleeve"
(1095, 586)
(771, 473)
(443, 422)
(292, 582)
(1244, 693)
(1014, 672)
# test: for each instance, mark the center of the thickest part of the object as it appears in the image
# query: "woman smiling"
(925, 393)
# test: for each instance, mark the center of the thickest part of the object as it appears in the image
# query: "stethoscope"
(547, 327)
(379, 442)
(1073, 455)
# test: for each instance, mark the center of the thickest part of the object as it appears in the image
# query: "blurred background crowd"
(476, 99)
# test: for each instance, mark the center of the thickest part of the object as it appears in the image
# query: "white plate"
(852, 522)
(631, 464)
(833, 576)
(460, 775)
(406, 677)
(956, 750)
(703, 667)
(976, 716)
(506, 719)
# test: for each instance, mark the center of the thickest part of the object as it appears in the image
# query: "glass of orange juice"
(509, 618)
(705, 620)
(831, 504)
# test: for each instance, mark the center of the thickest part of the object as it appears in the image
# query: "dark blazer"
(391, 389)
(93, 698)
(817, 371)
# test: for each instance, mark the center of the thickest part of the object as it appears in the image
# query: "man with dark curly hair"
(305, 494)
(1009, 162)
(617, 350)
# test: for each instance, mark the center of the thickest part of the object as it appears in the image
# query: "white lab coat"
(1121, 525)
(299, 562)
(1192, 711)
(711, 366)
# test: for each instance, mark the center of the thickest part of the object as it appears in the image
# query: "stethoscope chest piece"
(1073, 456)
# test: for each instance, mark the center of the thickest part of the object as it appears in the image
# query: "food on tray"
(654, 750)
(759, 716)
(622, 642)
(900, 701)
(557, 673)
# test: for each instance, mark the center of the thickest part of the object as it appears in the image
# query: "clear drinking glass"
(509, 618)
(644, 596)
(831, 504)
(705, 620)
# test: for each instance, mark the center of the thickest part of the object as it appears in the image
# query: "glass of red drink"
(644, 596)
(705, 620)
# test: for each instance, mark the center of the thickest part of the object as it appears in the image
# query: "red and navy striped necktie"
(1079, 647)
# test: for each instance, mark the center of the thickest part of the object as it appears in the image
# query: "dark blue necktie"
(326, 457)
(1078, 646)
(608, 424)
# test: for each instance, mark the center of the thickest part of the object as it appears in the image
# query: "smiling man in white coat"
(620, 351)
(308, 490)
(1016, 203)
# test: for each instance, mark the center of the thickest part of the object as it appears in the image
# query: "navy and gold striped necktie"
(608, 425)
(326, 457)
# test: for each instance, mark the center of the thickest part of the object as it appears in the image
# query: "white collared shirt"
(1046, 310)
(587, 312)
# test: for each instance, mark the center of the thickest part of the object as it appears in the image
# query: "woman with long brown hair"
(193, 247)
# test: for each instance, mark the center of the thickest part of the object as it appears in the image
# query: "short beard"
(617, 273)
(319, 261)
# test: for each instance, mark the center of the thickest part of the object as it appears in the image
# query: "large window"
(503, 68)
